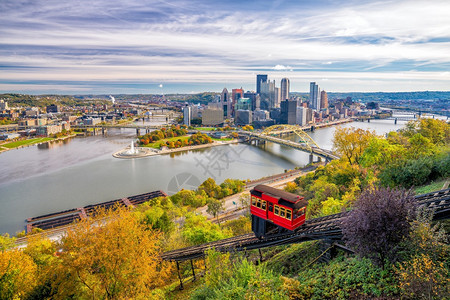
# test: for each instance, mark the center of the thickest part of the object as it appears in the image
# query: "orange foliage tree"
(111, 256)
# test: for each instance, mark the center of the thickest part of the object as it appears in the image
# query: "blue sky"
(134, 46)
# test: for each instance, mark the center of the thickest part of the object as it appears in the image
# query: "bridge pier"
(179, 275)
(193, 272)
(395, 121)
(311, 158)
(327, 249)
(138, 132)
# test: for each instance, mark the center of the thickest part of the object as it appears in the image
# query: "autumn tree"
(351, 142)
(210, 187)
(110, 256)
(18, 274)
(422, 274)
(6, 242)
(378, 223)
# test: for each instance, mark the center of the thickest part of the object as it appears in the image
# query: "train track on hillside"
(327, 227)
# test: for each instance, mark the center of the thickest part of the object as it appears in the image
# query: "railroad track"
(326, 227)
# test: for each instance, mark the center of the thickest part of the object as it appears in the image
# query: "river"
(81, 171)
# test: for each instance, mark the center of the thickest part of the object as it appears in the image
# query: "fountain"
(133, 152)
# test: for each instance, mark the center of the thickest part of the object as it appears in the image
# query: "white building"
(187, 116)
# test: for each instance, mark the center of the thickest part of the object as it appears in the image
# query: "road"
(232, 205)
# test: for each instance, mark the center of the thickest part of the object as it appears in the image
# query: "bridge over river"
(274, 134)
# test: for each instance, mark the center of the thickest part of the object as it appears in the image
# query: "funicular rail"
(326, 227)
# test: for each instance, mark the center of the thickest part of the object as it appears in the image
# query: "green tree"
(381, 152)
(351, 142)
(215, 207)
(198, 230)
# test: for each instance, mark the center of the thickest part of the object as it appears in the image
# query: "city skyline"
(92, 47)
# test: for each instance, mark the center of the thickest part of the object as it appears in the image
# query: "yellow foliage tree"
(291, 187)
(111, 256)
(18, 274)
(351, 142)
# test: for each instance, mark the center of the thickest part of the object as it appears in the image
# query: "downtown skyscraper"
(314, 96)
(261, 78)
(284, 89)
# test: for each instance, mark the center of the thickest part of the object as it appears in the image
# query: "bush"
(422, 278)
(342, 279)
(238, 280)
(378, 223)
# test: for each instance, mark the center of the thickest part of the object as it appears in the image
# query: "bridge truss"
(283, 128)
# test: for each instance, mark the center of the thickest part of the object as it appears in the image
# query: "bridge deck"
(299, 146)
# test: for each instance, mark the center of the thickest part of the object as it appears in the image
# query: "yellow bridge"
(306, 143)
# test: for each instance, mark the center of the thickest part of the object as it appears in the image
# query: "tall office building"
(254, 97)
(237, 94)
(212, 116)
(314, 96)
(187, 116)
(226, 103)
(284, 89)
(269, 95)
(260, 78)
(277, 100)
(323, 100)
(301, 115)
(288, 112)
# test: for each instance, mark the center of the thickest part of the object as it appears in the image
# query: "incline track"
(319, 228)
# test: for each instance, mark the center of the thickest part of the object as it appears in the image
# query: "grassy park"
(27, 142)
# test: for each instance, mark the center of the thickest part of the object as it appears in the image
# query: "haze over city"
(98, 46)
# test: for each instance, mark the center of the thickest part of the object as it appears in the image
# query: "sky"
(190, 46)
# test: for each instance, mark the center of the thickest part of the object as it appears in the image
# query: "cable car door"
(270, 211)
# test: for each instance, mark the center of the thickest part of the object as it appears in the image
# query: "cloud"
(213, 42)
(282, 68)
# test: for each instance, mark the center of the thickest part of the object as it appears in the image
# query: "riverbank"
(32, 142)
(144, 151)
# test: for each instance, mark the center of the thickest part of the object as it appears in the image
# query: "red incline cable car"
(275, 210)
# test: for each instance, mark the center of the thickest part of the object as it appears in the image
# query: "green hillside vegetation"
(45, 100)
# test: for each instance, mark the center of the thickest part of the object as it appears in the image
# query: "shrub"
(343, 278)
(378, 223)
(422, 278)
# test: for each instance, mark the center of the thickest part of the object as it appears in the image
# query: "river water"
(81, 171)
